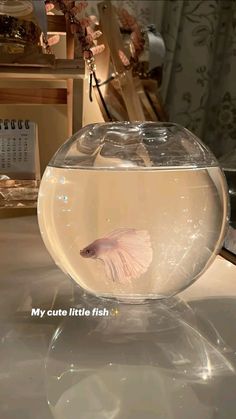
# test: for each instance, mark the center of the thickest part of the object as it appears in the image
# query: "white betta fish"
(126, 253)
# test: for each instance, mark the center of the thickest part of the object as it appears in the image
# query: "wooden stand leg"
(78, 95)
(111, 31)
(70, 52)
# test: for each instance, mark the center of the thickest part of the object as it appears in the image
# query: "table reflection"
(156, 360)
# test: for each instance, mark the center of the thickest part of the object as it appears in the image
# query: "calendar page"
(19, 154)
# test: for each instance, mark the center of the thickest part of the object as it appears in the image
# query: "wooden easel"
(132, 98)
(111, 32)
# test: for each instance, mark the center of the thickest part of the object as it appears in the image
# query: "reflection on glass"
(147, 361)
(228, 163)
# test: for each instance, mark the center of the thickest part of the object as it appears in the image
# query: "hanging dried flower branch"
(130, 24)
(82, 25)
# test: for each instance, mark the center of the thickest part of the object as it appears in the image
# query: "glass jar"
(133, 211)
(19, 32)
(17, 8)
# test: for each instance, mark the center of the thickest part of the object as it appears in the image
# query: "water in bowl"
(166, 226)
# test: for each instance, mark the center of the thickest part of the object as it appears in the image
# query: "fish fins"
(131, 257)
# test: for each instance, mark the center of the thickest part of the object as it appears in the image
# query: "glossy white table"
(29, 279)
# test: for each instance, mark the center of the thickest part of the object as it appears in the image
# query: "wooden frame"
(111, 31)
(39, 96)
(38, 66)
(139, 97)
(226, 254)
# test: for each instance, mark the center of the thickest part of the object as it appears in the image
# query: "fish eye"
(87, 251)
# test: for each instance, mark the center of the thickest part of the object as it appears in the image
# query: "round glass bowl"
(133, 211)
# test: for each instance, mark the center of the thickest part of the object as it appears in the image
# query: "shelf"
(42, 74)
(60, 69)
(35, 96)
(56, 24)
(34, 65)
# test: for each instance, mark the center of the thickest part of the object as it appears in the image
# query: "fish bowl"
(133, 211)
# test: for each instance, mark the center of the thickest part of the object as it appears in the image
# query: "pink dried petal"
(92, 35)
(94, 20)
(124, 59)
(126, 19)
(53, 40)
(88, 54)
(96, 34)
(49, 7)
(98, 49)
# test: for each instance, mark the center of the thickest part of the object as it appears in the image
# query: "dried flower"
(129, 23)
(80, 25)
(98, 49)
(124, 59)
(52, 40)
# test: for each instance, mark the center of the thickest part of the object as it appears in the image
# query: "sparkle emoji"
(114, 311)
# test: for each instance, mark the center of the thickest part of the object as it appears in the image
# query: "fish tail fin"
(131, 257)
